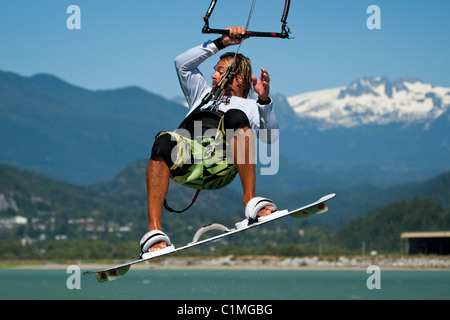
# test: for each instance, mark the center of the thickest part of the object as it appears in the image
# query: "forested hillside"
(50, 215)
(380, 230)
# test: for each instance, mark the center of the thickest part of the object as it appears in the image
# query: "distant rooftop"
(426, 234)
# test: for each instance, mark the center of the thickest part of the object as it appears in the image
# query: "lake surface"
(227, 285)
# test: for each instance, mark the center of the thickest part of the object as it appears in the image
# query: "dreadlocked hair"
(242, 66)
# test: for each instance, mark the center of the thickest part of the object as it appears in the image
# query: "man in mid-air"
(173, 153)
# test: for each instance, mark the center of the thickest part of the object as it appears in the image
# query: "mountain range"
(372, 100)
(373, 131)
(395, 131)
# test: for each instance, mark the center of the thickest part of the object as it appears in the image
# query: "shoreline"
(400, 263)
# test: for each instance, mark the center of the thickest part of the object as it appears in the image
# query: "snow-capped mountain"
(372, 100)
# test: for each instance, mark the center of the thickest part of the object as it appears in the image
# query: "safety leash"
(181, 211)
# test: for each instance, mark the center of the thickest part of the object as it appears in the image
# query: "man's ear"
(239, 79)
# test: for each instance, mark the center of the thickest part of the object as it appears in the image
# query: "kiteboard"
(317, 207)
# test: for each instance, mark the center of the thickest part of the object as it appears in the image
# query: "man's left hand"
(261, 85)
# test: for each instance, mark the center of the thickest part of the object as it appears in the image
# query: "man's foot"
(259, 207)
(157, 246)
(266, 211)
(154, 240)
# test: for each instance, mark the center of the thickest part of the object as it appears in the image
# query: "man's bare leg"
(158, 178)
(243, 147)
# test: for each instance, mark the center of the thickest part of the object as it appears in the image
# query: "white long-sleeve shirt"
(195, 87)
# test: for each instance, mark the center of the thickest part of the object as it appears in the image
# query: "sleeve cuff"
(219, 44)
(268, 101)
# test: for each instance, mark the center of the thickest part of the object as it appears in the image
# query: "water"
(227, 285)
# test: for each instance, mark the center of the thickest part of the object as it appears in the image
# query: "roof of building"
(426, 234)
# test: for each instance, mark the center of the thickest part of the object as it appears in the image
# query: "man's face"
(219, 71)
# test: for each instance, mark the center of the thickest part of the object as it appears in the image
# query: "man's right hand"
(237, 34)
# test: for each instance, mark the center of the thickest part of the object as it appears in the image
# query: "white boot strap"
(255, 205)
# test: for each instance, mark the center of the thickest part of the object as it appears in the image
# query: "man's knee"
(162, 148)
(235, 119)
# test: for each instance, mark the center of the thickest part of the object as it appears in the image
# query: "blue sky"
(134, 42)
